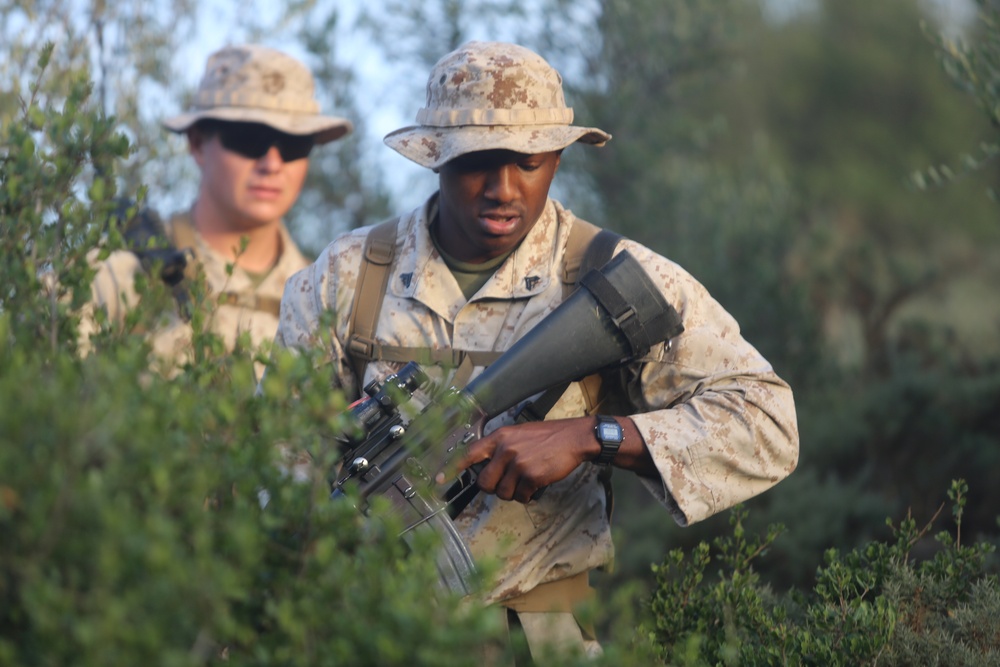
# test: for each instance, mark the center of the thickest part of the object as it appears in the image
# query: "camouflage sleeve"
(113, 288)
(301, 309)
(112, 292)
(718, 422)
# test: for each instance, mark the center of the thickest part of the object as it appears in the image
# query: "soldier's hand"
(524, 458)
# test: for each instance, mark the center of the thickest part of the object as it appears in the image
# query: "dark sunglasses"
(254, 140)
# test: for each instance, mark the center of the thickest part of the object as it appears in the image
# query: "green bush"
(874, 605)
(135, 532)
(51, 220)
(132, 504)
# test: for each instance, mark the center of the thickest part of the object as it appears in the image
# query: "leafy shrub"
(135, 532)
(132, 504)
(873, 605)
(50, 219)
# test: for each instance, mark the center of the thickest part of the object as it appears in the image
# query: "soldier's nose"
(501, 183)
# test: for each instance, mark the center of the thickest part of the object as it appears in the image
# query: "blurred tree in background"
(899, 280)
(973, 62)
(344, 188)
(127, 48)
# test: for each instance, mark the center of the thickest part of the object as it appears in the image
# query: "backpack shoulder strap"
(588, 247)
(369, 293)
(373, 279)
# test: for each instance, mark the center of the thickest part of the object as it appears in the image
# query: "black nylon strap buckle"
(622, 313)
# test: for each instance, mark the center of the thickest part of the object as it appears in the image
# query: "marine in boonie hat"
(256, 84)
(488, 96)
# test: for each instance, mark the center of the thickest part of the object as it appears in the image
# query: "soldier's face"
(246, 192)
(490, 200)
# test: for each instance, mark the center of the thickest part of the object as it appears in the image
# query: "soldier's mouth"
(265, 192)
(499, 225)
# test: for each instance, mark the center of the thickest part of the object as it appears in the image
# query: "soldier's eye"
(469, 163)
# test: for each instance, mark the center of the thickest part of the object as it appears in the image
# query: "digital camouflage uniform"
(241, 83)
(718, 422)
(252, 308)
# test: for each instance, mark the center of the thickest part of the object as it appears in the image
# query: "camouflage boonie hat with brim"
(256, 84)
(487, 96)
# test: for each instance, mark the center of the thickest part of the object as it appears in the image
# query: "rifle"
(616, 315)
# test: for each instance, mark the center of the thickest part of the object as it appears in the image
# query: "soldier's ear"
(196, 143)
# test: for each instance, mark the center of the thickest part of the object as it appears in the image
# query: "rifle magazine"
(455, 565)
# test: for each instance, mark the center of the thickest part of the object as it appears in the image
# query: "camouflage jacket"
(113, 290)
(719, 423)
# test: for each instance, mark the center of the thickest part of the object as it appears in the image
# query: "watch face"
(610, 432)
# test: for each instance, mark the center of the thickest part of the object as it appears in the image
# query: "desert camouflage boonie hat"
(256, 84)
(486, 96)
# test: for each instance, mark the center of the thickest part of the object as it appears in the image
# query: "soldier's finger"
(477, 452)
(526, 491)
(506, 487)
(487, 479)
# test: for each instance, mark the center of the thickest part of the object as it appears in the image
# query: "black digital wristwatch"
(609, 433)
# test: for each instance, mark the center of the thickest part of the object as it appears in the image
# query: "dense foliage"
(874, 605)
(134, 530)
(151, 519)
